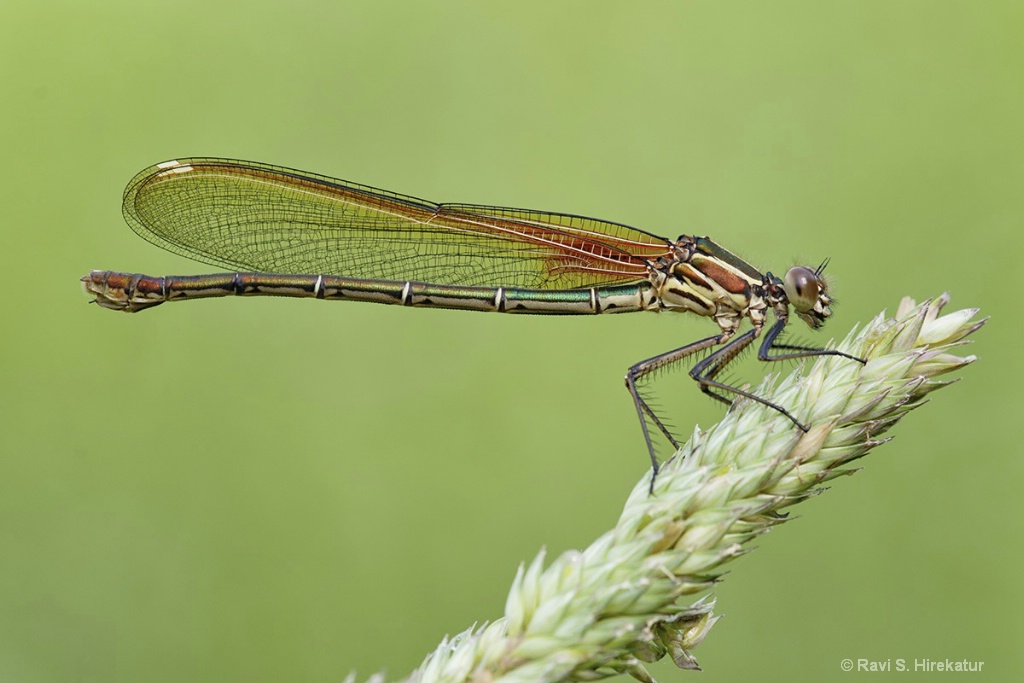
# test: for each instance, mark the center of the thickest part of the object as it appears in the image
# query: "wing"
(250, 216)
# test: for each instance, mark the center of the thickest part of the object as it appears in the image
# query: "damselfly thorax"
(704, 278)
(289, 233)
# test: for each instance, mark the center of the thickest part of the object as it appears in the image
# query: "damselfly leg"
(705, 371)
(643, 410)
(771, 342)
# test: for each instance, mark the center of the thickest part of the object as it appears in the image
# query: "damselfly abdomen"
(291, 233)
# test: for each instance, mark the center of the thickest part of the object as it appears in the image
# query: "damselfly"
(300, 234)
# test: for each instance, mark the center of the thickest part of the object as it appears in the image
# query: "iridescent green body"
(133, 292)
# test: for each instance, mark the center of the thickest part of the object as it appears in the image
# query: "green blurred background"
(273, 490)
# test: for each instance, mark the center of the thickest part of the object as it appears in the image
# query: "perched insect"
(298, 234)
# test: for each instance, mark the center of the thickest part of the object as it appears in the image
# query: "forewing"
(256, 217)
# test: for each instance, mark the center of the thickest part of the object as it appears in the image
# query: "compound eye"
(803, 286)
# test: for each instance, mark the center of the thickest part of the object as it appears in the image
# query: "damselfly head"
(807, 291)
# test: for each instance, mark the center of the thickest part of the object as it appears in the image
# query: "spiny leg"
(769, 344)
(644, 368)
(705, 371)
(662, 427)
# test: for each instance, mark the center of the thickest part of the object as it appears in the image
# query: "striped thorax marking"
(710, 281)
